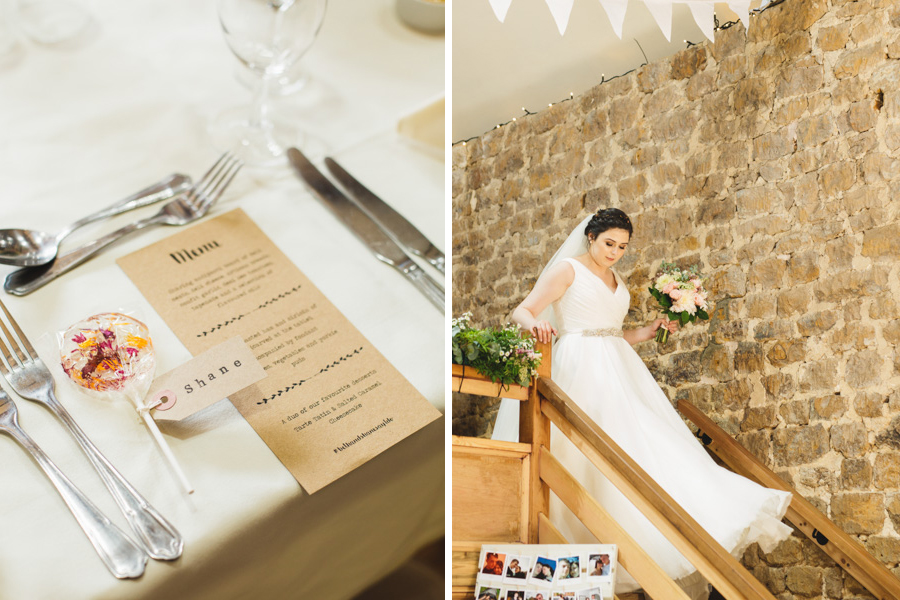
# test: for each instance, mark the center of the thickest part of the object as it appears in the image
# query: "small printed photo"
(599, 565)
(488, 593)
(536, 595)
(591, 594)
(517, 567)
(544, 570)
(568, 568)
(493, 564)
(514, 595)
(563, 596)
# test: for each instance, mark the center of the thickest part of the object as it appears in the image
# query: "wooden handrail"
(545, 350)
(715, 563)
(548, 533)
(632, 557)
(496, 446)
(847, 552)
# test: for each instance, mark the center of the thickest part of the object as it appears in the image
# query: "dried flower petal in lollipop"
(110, 355)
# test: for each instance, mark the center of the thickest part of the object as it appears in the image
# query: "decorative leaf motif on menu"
(228, 322)
(324, 369)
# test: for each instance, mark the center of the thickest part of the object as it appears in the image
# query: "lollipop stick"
(167, 452)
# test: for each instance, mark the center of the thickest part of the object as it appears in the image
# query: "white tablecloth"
(83, 125)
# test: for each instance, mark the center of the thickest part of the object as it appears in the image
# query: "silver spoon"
(27, 248)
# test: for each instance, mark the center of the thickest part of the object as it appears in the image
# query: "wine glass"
(268, 37)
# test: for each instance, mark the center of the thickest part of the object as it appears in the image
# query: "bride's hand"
(543, 331)
(663, 322)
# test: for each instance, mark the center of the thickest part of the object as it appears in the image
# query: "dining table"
(128, 101)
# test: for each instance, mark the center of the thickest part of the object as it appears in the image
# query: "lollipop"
(110, 355)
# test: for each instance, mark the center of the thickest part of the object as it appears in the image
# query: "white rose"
(663, 281)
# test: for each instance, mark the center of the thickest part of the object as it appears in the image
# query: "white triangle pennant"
(704, 15)
(743, 12)
(662, 14)
(561, 9)
(703, 12)
(615, 10)
(501, 7)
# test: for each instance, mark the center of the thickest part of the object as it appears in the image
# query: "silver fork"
(190, 206)
(30, 378)
(120, 555)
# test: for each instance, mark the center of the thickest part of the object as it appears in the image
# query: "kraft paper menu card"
(330, 401)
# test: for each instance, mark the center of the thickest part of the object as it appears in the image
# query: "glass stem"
(260, 114)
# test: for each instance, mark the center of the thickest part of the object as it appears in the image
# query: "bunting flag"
(705, 17)
(500, 8)
(561, 9)
(662, 14)
(615, 10)
(703, 12)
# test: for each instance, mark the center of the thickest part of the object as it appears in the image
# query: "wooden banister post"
(534, 429)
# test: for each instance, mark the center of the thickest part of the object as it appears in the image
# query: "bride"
(582, 300)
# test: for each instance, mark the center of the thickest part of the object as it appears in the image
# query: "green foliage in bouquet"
(503, 355)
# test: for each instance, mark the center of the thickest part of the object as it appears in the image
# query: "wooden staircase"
(501, 494)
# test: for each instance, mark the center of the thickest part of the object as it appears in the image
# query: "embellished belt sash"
(602, 332)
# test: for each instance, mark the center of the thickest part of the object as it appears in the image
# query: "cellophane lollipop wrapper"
(109, 355)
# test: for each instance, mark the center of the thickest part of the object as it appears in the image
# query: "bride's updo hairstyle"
(607, 218)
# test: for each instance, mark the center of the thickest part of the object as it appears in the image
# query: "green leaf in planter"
(485, 350)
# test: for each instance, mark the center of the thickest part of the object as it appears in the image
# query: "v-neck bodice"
(589, 303)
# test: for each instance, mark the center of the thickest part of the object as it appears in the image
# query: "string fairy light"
(716, 27)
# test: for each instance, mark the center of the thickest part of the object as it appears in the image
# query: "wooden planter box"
(469, 381)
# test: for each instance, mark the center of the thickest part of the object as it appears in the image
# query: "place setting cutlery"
(27, 375)
(22, 368)
(28, 248)
(192, 203)
(392, 222)
(387, 233)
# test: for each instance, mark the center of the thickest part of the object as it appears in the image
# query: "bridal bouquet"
(681, 295)
(503, 355)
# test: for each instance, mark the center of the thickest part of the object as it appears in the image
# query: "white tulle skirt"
(610, 382)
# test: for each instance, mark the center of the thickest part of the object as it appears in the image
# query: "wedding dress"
(600, 371)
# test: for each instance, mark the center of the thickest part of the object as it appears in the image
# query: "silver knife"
(390, 220)
(365, 228)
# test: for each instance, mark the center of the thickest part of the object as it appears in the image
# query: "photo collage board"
(546, 572)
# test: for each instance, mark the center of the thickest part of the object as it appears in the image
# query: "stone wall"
(771, 159)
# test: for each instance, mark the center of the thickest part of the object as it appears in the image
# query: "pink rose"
(697, 284)
(674, 294)
(667, 289)
(698, 300)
